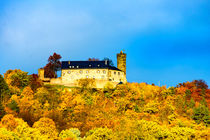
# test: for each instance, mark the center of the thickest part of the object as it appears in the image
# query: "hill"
(29, 109)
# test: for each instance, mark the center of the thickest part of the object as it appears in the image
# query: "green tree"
(2, 112)
(201, 114)
(109, 60)
(17, 78)
(50, 95)
(20, 79)
(188, 94)
(4, 92)
(13, 106)
(192, 103)
(4, 89)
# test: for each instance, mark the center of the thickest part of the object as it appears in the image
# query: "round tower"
(41, 73)
(121, 61)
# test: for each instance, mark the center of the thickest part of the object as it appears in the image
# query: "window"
(113, 79)
(63, 73)
(69, 66)
(98, 71)
(72, 66)
(110, 79)
(89, 65)
(80, 71)
(87, 76)
(102, 76)
(87, 71)
(104, 71)
(69, 72)
(93, 77)
(77, 66)
(98, 65)
(114, 73)
(118, 73)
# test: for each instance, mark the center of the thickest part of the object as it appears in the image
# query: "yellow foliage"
(129, 111)
(9, 122)
(86, 83)
(46, 127)
(27, 92)
(7, 135)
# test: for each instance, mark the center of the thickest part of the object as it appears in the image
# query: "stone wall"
(70, 77)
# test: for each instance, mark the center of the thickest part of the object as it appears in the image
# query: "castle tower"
(121, 61)
(41, 73)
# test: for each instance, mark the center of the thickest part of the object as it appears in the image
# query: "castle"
(101, 71)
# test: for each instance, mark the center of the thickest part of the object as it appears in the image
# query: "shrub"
(100, 134)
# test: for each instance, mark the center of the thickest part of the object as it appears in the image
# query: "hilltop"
(30, 109)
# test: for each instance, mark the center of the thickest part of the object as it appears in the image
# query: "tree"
(4, 89)
(73, 133)
(25, 104)
(100, 134)
(109, 60)
(9, 122)
(8, 135)
(17, 78)
(35, 82)
(46, 127)
(86, 84)
(13, 106)
(200, 84)
(53, 66)
(201, 113)
(2, 112)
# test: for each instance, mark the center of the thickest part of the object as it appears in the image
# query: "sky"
(167, 42)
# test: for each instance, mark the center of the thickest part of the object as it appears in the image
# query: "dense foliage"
(31, 110)
(53, 65)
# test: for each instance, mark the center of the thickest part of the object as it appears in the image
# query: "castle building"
(101, 71)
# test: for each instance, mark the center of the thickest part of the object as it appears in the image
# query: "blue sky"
(167, 42)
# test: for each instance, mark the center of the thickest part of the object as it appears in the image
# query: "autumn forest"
(31, 110)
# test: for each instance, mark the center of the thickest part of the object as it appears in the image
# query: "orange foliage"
(9, 122)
